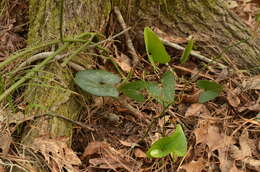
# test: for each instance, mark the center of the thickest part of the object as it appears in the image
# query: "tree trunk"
(213, 26)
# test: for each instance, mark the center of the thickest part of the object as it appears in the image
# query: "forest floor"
(222, 134)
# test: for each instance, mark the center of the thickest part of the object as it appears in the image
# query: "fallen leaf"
(253, 83)
(124, 62)
(112, 159)
(211, 136)
(245, 145)
(57, 152)
(94, 148)
(197, 110)
(2, 168)
(194, 166)
(127, 144)
(139, 153)
(232, 98)
(5, 143)
(193, 98)
(225, 164)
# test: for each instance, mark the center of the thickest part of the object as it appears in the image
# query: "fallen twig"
(193, 53)
(129, 42)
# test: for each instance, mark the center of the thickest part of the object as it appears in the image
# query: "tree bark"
(214, 27)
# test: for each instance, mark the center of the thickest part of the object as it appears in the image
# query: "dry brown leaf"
(197, 110)
(56, 151)
(232, 98)
(127, 143)
(5, 142)
(210, 135)
(201, 134)
(194, 98)
(124, 62)
(112, 159)
(194, 166)
(244, 151)
(225, 163)
(94, 148)
(245, 145)
(253, 83)
(2, 168)
(139, 153)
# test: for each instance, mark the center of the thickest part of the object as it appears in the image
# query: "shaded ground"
(223, 135)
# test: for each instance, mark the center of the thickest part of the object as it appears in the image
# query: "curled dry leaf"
(2, 168)
(244, 153)
(211, 136)
(5, 142)
(112, 159)
(194, 166)
(57, 152)
(124, 62)
(232, 98)
(139, 153)
(94, 148)
(197, 110)
(194, 98)
(253, 83)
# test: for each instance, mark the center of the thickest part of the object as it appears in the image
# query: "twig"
(129, 42)
(43, 55)
(39, 56)
(62, 117)
(195, 54)
(193, 72)
(25, 51)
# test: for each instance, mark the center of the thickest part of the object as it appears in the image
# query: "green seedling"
(186, 53)
(175, 144)
(103, 83)
(211, 90)
(155, 49)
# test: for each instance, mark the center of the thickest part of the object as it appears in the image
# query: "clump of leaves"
(103, 83)
(175, 144)
(211, 90)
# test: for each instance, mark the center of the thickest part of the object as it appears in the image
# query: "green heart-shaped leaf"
(98, 82)
(154, 48)
(211, 90)
(207, 96)
(209, 85)
(176, 143)
(168, 90)
(132, 90)
(165, 94)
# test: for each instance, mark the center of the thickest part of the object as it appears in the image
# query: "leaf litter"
(223, 133)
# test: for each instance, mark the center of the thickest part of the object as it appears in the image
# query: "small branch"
(193, 53)
(129, 42)
(62, 117)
